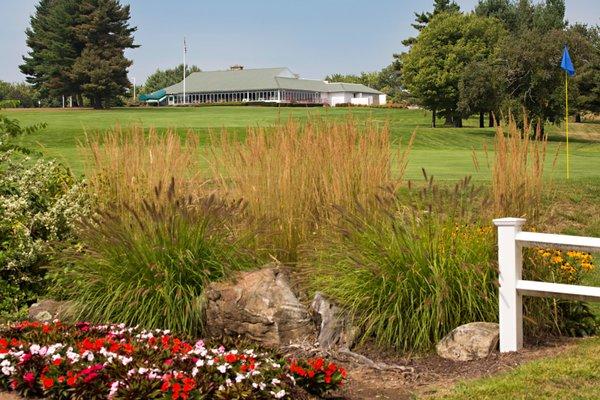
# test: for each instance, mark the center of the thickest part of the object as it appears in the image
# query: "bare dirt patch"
(433, 375)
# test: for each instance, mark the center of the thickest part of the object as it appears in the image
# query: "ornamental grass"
(124, 166)
(412, 269)
(518, 181)
(149, 265)
(292, 174)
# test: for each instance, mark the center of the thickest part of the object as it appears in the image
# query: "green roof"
(259, 79)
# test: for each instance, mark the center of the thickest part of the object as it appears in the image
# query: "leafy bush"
(293, 174)
(39, 203)
(149, 264)
(414, 268)
(115, 362)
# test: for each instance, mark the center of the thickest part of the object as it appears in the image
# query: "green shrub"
(413, 270)
(149, 265)
(39, 203)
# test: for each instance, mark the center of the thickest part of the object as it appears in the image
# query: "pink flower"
(29, 378)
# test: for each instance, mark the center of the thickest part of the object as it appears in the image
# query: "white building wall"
(339, 98)
(382, 99)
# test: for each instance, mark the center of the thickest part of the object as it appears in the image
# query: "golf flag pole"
(567, 65)
(184, 54)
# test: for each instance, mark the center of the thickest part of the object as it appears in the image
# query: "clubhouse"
(275, 85)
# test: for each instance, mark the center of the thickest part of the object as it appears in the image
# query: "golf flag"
(566, 62)
(567, 65)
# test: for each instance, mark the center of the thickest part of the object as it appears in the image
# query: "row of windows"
(261, 95)
(225, 97)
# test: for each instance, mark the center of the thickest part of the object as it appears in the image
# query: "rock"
(334, 327)
(470, 342)
(260, 306)
(47, 310)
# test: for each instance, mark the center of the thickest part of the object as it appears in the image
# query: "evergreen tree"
(423, 18)
(54, 48)
(162, 79)
(101, 68)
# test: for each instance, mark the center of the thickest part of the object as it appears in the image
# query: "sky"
(313, 38)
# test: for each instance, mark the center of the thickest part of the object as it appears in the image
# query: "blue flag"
(566, 62)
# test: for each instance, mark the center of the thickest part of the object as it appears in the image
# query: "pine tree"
(101, 69)
(54, 48)
(423, 18)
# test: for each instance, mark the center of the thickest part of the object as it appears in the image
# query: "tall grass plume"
(292, 174)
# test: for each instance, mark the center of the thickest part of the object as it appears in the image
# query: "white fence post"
(510, 263)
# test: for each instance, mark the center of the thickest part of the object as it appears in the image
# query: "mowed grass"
(446, 153)
(568, 376)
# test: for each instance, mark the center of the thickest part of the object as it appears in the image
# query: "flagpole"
(567, 120)
(184, 54)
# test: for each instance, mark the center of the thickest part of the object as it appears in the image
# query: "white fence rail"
(511, 241)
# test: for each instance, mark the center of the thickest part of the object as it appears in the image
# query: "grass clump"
(413, 269)
(292, 174)
(148, 265)
(517, 174)
(124, 166)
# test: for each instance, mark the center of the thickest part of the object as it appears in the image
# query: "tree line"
(501, 57)
(77, 49)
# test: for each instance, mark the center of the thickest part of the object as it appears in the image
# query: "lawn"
(571, 375)
(444, 152)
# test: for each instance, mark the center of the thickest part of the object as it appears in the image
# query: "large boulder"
(470, 342)
(47, 310)
(258, 305)
(334, 326)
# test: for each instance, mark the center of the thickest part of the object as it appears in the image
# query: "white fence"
(511, 241)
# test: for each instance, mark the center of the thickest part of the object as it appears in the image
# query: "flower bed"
(91, 362)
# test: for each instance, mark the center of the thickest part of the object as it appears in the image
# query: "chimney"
(236, 67)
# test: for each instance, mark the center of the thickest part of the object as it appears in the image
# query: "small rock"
(470, 342)
(335, 329)
(47, 310)
(258, 305)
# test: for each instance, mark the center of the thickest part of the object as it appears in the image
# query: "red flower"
(47, 383)
(231, 358)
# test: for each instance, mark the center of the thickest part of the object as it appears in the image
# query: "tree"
(584, 42)
(423, 18)
(162, 79)
(522, 15)
(54, 48)
(101, 68)
(435, 64)
(481, 89)
(21, 93)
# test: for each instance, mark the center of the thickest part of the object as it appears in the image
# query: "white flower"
(239, 378)
(114, 387)
(279, 394)
(222, 368)
(275, 381)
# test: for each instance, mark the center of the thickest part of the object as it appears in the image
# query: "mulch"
(433, 375)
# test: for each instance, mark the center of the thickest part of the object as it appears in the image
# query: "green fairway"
(447, 153)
